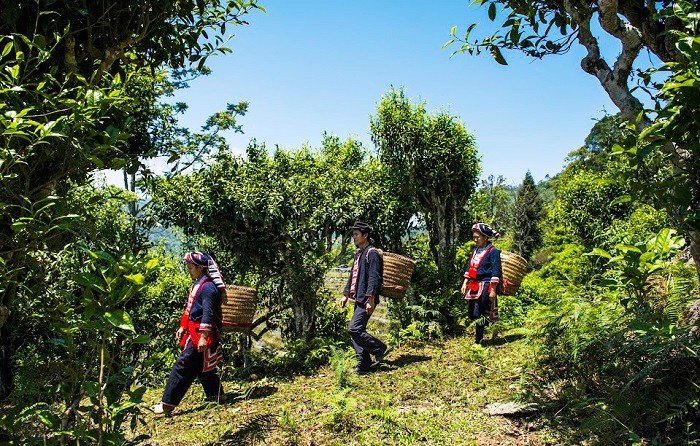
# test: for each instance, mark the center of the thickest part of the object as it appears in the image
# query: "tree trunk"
(695, 249)
(343, 247)
(304, 317)
(614, 79)
(7, 349)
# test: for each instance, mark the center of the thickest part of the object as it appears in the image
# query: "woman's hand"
(202, 344)
(492, 294)
(463, 290)
(179, 334)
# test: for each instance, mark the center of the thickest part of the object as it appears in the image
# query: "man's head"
(360, 233)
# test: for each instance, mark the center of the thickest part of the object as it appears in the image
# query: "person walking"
(482, 278)
(199, 335)
(363, 286)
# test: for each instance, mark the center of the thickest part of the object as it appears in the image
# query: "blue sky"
(309, 66)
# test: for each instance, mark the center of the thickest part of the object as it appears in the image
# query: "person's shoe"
(379, 359)
(222, 398)
(361, 371)
(162, 409)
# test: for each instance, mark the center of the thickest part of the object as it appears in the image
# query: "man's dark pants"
(365, 344)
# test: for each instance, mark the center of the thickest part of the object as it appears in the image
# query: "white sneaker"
(162, 408)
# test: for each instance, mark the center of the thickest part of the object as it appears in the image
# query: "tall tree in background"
(668, 30)
(492, 203)
(527, 212)
(434, 161)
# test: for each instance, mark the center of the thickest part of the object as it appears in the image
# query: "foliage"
(535, 290)
(673, 136)
(620, 352)
(586, 205)
(569, 265)
(430, 309)
(433, 162)
(527, 212)
(343, 363)
(90, 390)
(492, 204)
(668, 132)
(68, 107)
(632, 266)
(268, 216)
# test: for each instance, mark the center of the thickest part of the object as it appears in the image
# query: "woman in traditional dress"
(482, 278)
(198, 334)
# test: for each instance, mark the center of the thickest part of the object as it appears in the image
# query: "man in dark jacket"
(364, 285)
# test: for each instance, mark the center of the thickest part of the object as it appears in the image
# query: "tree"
(434, 161)
(64, 76)
(275, 216)
(492, 203)
(668, 30)
(527, 212)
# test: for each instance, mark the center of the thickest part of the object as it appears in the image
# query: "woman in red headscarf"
(198, 334)
(482, 278)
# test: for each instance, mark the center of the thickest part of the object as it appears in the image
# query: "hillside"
(426, 394)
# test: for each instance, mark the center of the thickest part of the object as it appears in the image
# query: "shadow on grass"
(252, 393)
(405, 360)
(501, 340)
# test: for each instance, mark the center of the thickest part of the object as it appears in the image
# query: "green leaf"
(621, 199)
(141, 339)
(599, 252)
(152, 263)
(7, 49)
(120, 319)
(496, 53)
(492, 12)
(92, 388)
(90, 280)
(628, 248)
(49, 420)
(137, 278)
(18, 226)
(122, 408)
(40, 41)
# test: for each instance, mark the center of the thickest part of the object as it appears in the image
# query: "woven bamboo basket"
(397, 275)
(239, 309)
(514, 269)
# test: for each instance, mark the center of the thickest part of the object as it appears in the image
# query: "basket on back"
(239, 309)
(397, 275)
(514, 269)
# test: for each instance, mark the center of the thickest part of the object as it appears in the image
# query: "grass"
(432, 394)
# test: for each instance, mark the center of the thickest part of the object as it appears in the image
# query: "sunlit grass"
(426, 394)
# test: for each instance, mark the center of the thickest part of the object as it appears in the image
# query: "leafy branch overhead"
(667, 132)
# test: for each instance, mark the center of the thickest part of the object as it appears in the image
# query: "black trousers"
(364, 343)
(188, 367)
(477, 308)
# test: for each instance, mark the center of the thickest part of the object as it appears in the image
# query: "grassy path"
(425, 394)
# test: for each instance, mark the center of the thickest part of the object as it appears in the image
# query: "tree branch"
(613, 80)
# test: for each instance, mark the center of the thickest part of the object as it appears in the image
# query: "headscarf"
(485, 229)
(201, 258)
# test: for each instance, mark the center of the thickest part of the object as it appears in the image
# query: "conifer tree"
(527, 212)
